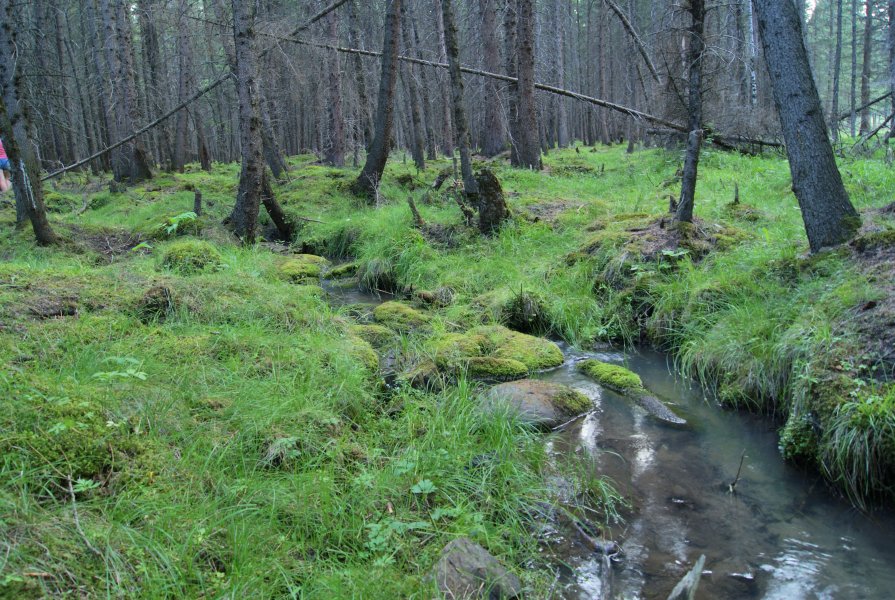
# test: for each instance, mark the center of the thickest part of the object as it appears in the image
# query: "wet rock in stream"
(538, 403)
(466, 570)
(628, 383)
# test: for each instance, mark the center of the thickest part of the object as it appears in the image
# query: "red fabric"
(2, 151)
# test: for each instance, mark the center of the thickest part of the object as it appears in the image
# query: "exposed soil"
(112, 244)
(663, 236)
(549, 211)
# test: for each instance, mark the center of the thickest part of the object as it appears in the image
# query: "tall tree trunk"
(511, 59)
(827, 212)
(15, 128)
(244, 217)
(461, 126)
(418, 135)
(363, 103)
(866, 68)
(694, 111)
(853, 89)
(185, 85)
(130, 163)
(368, 181)
(69, 147)
(528, 144)
(562, 117)
(335, 154)
(837, 71)
(491, 139)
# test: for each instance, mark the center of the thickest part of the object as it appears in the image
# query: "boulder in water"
(627, 383)
(539, 403)
(466, 570)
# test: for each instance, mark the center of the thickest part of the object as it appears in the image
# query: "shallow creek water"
(782, 535)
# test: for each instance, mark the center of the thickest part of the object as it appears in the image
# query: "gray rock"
(539, 403)
(466, 570)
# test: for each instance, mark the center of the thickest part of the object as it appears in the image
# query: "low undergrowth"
(181, 419)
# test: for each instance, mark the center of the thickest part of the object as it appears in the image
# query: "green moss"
(400, 316)
(572, 402)
(534, 352)
(425, 375)
(500, 369)
(301, 268)
(453, 349)
(611, 376)
(344, 270)
(799, 439)
(361, 350)
(375, 335)
(877, 239)
(190, 256)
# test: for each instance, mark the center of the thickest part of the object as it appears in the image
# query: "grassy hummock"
(189, 256)
(400, 316)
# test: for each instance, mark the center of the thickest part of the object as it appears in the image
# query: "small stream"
(782, 535)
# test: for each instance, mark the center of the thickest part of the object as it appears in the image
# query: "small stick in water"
(732, 487)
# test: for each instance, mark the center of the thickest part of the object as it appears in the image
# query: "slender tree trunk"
(827, 212)
(528, 144)
(866, 68)
(185, 85)
(335, 154)
(509, 36)
(853, 89)
(694, 109)
(418, 135)
(69, 148)
(492, 138)
(837, 71)
(461, 126)
(363, 110)
(368, 181)
(15, 128)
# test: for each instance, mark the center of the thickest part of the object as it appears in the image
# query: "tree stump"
(493, 209)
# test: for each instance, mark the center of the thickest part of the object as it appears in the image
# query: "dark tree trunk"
(273, 154)
(866, 68)
(837, 71)
(418, 135)
(368, 181)
(528, 142)
(853, 75)
(492, 206)
(15, 129)
(363, 111)
(130, 163)
(509, 37)
(335, 152)
(827, 212)
(185, 86)
(694, 111)
(492, 138)
(244, 218)
(461, 127)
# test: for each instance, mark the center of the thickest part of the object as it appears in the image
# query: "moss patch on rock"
(301, 268)
(498, 369)
(611, 376)
(400, 316)
(191, 256)
(361, 350)
(375, 335)
(344, 270)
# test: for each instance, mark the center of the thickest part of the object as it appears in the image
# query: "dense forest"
(447, 298)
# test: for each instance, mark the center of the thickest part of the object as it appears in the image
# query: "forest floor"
(165, 392)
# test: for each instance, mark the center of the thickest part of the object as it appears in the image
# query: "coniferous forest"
(447, 298)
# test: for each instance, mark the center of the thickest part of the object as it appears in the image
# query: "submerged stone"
(539, 403)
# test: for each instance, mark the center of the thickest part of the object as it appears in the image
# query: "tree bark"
(837, 70)
(461, 127)
(509, 37)
(418, 135)
(15, 128)
(335, 152)
(528, 142)
(492, 138)
(827, 212)
(866, 68)
(368, 181)
(244, 218)
(694, 111)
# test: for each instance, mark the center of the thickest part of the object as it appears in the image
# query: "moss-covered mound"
(495, 352)
(614, 377)
(375, 335)
(399, 316)
(301, 268)
(347, 269)
(361, 350)
(190, 256)
(540, 403)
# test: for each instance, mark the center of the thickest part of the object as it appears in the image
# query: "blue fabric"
(4, 164)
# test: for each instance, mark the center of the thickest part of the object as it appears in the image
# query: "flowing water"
(782, 535)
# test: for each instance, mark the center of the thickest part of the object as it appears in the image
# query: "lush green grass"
(241, 445)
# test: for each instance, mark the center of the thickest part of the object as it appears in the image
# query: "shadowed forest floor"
(166, 393)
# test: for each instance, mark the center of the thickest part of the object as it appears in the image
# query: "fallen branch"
(845, 116)
(732, 487)
(626, 23)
